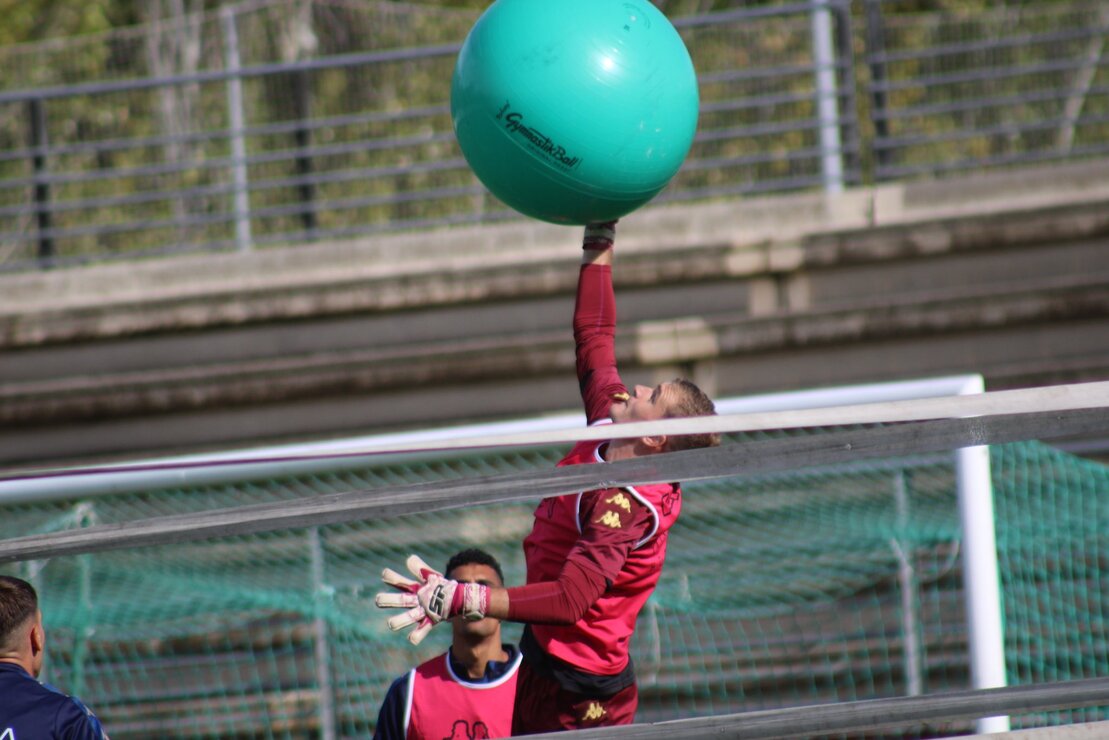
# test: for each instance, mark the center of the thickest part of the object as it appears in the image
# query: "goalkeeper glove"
(431, 599)
(599, 235)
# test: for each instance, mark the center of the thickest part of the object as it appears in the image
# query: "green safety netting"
(836, 584)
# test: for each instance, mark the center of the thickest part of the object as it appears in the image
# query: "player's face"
(486, 576)
(643, 404)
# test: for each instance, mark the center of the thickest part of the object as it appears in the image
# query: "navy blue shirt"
(390, 720)
(30, 710)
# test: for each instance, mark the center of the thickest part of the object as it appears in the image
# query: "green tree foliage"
(35, 20)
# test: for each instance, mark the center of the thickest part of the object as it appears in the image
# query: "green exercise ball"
(574, 111)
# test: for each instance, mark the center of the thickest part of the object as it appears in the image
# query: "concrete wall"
(1006, 275)
(1085, 731)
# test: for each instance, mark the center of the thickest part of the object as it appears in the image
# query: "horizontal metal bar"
(223, 217)
(263, 239)
(978, 75)
(352, 175)
(752, 187)
(935, 168)
(353, 147)
(1012, 42)
(394, 225)
(311, 65)
(345, 204)
(756, 130)
(762, 157)
(1008, 129)
(164, 250)
(293, 154)
(754, 103)
(341, 61)
(117, 145)
(893, 440)
(861, 716)
(67, 178)
(997, 102)
(115, 201)
(310, 124)
(754, 73)
(751, 13)
(282, 155)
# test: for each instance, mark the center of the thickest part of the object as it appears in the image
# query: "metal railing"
(1000, 87)
(239, 156)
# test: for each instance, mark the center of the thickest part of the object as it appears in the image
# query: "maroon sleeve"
(595, 340)
(613, 522)
(564, 601)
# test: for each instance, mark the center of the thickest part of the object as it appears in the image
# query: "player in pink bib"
(467, 692)
(593, 558)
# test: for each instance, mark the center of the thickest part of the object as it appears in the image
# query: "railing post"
(827, 97)
(85, 516)
(848, 95)
(235, 120)
(906, 578)
(320, 593)
(879, 113)
(36, 111)
(303, 139)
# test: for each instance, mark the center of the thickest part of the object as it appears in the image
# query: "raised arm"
(595, 324)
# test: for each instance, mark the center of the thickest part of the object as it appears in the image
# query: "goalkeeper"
(593, 558)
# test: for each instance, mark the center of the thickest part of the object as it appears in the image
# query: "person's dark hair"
(690, 401)
(18, 603)
(474, 556)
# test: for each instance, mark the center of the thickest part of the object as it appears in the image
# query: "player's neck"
(625, 449)
(619, 449)
(475, 656)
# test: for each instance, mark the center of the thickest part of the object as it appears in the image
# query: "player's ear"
(656, 443)
(38, 636)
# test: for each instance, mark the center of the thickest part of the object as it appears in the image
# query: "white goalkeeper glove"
(599, 235)
(429, 600)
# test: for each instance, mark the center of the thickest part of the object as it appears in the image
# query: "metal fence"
(1011, 85)
(247, 128)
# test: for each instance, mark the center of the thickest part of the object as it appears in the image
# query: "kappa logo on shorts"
(9, 734)
(595, 711)
(610, 519)
(620, 500)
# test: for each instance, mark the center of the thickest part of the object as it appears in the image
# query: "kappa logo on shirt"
(620, 500)
(9, 734)
(610, 519)
(595, 711)
(462, 731)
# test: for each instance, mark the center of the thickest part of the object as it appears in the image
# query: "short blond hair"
(690, 401)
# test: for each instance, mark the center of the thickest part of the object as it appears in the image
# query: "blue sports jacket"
(30, 710)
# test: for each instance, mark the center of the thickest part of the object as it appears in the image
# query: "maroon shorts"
(544, 706)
